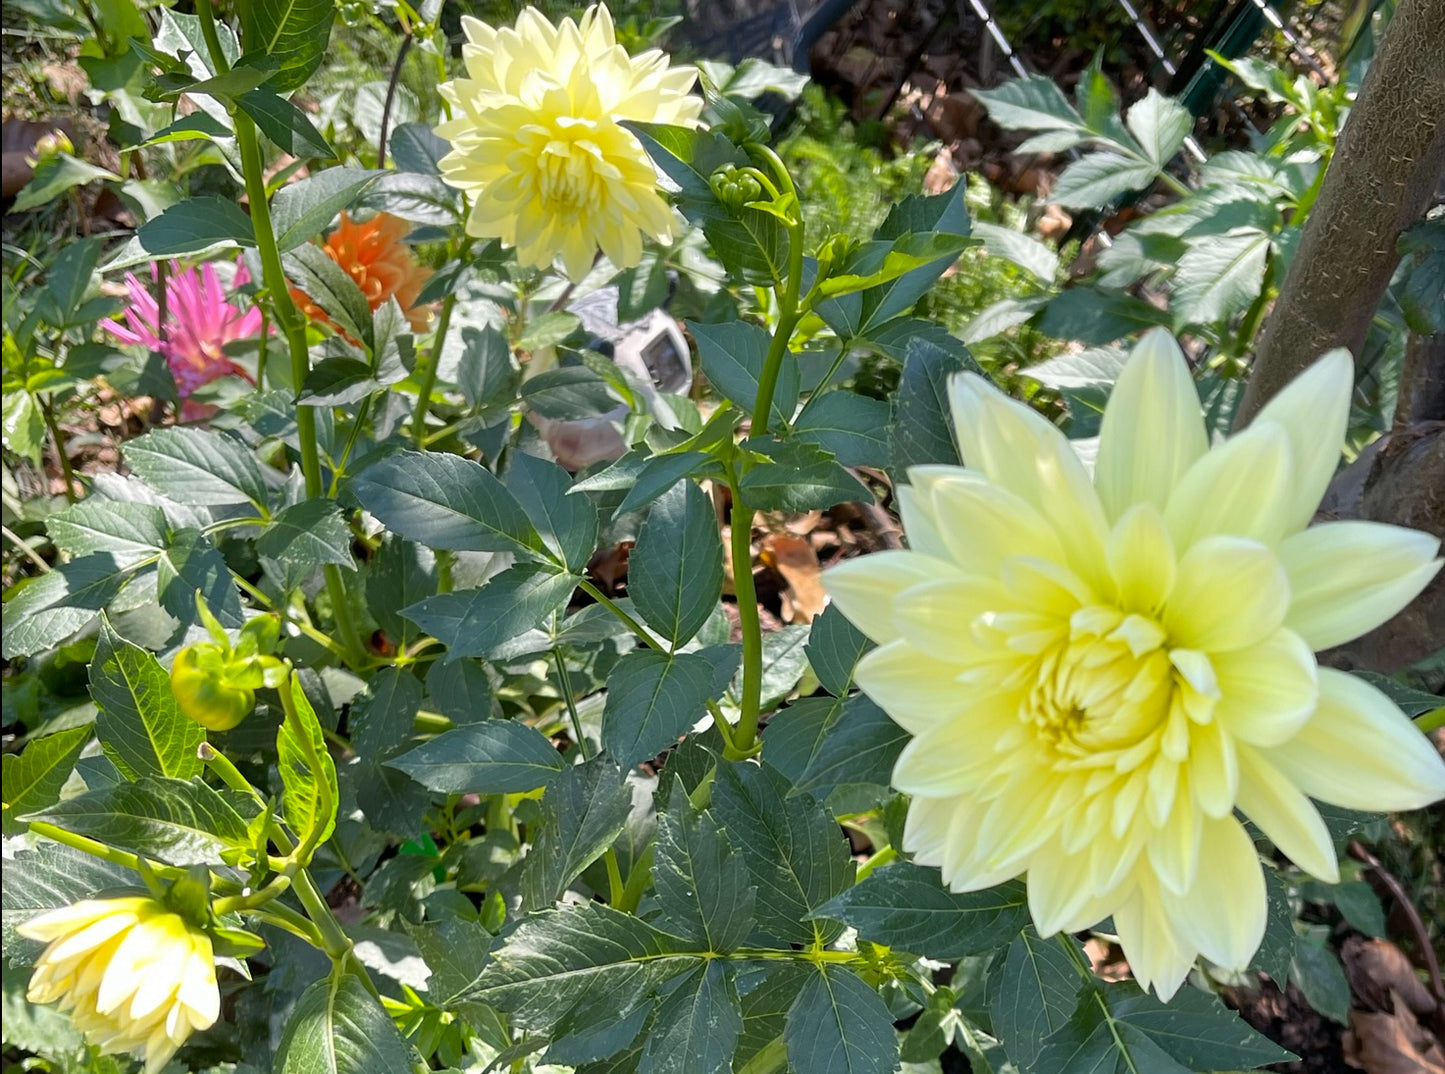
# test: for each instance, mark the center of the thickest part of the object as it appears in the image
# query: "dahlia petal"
(925, 830)
(864, 588)
(1346, 578)
(1313, 410)
(1153, 429)
(1021, 819)
(1223, 913)
(1057, 901)
(915, 690)
(983, 524)
(60, 922)
(1286, 816)
(951, 759)
(1158, 956)
(1230, 593)
(1021, 451)
(1141, 560)
(1268, 690)
(1214, 769)
(1238, 488)
(84, 940)
(155, 991)
(197, 990)
(1045, 585)
(122, 975)
(920, 524)
(1358, 750)
(1174, 848)
(935, 616)
(964, 865)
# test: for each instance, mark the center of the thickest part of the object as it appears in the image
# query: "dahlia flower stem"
(745, 741)
(213, 40)
(256, 899)
(67, 474)
(261, 352)
(429, 373)
(564, 685)
(227, 772)
(294, 329)
(406, 43)
(334, 941)
(323, 640)
(96, 849)
(614, 871)
(288, 318)
(292, 325)
(883, 857)
(290, 921)
(338, 470)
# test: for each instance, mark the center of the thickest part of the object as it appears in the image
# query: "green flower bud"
(206, 689)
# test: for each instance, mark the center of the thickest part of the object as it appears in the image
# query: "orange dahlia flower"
(373, 255)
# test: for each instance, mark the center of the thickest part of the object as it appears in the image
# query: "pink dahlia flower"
(199, 323)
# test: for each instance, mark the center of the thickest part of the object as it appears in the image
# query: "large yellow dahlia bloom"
(134, 976)
(537, 139)
(1098, 673)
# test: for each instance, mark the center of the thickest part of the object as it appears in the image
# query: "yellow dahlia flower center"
(572, 170)
(1104, 683)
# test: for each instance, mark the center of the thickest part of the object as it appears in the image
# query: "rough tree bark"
(1400, 479)
(1388, 163)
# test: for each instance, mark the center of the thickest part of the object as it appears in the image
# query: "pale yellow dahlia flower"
(537, 140)
(134, 976)
(1097, 673)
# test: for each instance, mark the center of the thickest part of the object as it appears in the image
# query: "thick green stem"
(429, 374)
(564, 684)
(334, 941)
(101, 850)
(1431, 721)
(745, 742)
(293, 325)
(213, 41)
(434, 361)
(883, 857)
(67, 473)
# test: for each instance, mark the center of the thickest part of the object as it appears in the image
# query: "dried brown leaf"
(1380, 1043)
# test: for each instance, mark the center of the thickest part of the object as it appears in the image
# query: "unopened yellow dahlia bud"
(133, 976)
(538, 142)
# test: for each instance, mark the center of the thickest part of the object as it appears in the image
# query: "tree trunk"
(1388, 163)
